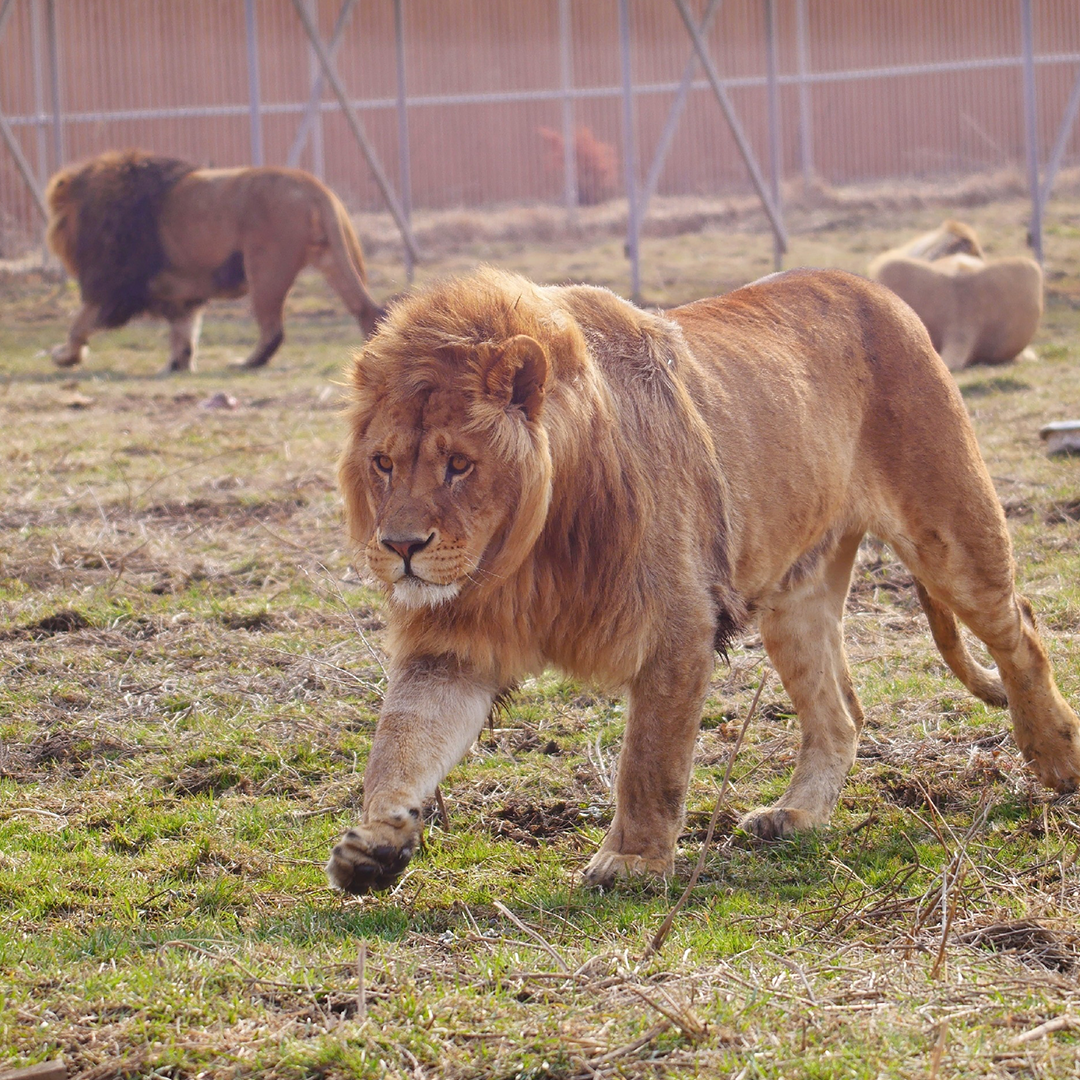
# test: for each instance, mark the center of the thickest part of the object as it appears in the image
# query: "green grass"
(190, 672)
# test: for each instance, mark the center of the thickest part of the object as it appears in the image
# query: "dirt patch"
(66, 621)
(529, 823)
(205, 511)
(251, 621)
(1032, 943)
(1062, 512)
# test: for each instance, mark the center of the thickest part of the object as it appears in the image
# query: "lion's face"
(438, 499)
(438, 492)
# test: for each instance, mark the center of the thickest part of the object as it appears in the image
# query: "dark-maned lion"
(553, 476)
(977, 310)
(147, 234)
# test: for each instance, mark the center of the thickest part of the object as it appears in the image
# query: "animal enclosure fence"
(476, 103)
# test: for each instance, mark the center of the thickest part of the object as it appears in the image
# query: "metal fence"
(447, 103)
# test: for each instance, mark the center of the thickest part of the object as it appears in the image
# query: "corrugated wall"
(485, 78)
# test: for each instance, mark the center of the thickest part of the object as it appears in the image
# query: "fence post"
(254, 102)
(776, 164)
(403, 130)
(318, 159)
(1031, 131)
(806, 131)
(37, 48)
(566, 73)
(59, 155)
(630, 155)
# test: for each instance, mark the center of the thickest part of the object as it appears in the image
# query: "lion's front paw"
(1058, 765)
(372, 856)
(65, 356)
(776, 822)
(606, 867)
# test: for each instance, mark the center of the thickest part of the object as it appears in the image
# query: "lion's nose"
(407, 546)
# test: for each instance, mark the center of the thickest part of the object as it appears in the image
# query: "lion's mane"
(585, 551)
(104, 227)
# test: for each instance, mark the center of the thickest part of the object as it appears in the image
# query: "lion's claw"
(362, 862)
(608, 866)
(770, 823)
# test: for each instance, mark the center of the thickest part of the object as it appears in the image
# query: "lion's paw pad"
(608, 866)
(364, 860)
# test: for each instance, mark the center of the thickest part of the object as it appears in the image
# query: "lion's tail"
(983, 682)
(344, 267)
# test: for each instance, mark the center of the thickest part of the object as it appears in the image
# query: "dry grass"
(191, 671)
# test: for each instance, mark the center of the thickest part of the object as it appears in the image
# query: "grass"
(190, 671)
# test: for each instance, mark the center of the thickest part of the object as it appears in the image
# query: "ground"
(190, 671)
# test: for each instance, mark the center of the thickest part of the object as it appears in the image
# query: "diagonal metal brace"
(1072, 109)
(663, 145)
(315, 99)
(736, 128)
(358, 132)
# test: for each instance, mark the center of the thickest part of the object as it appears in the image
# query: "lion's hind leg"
(802, 630)
(271, 271)
(983, 682)
(957, 546)
(1045, 727)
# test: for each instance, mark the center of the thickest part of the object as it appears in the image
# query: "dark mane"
(117, 246)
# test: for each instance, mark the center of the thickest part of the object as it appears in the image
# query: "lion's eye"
(383, 463)
(457, 465)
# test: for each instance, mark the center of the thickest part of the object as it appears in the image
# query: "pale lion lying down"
(551, 476)
(977, 310)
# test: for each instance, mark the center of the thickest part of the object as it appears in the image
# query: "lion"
(977, 310)
(551, 476)
(148, 234)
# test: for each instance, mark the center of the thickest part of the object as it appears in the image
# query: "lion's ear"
(517, 377)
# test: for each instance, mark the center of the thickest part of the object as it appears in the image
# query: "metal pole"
(775, 149)
(630, 155)
(403, 128)
(6, 8)
(663, 145)
(566, 73)
(59, 155)
(37, 47)
(1062, 140)
(358, 132)
(318, 158)
(1031, 134)
(254, 99)
(736, 128)
(806, 129)
(313, 111)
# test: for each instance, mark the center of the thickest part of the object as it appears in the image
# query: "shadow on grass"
(1000, 384)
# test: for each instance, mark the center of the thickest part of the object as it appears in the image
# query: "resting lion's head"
(447, 473)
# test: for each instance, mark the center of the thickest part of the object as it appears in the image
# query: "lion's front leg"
(73, 351)
(662, 723)
(184, 331)
(433, 711)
